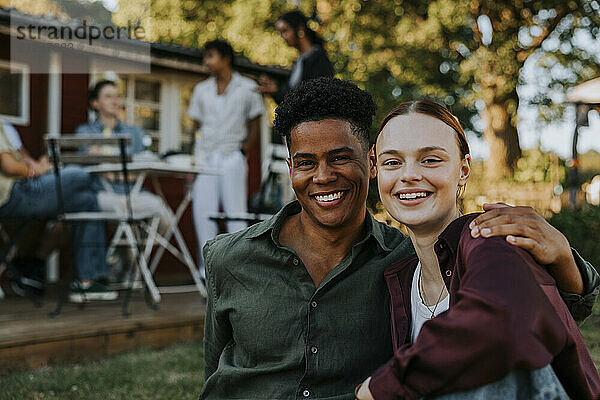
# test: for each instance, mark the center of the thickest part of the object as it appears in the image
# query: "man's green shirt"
(270, 334)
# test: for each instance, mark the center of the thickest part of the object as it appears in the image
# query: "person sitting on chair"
(105, 101)
(28, 191)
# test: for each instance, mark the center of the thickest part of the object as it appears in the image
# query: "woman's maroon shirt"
(505, 313)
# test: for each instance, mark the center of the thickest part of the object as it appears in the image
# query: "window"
(14, 86)
(141, 105)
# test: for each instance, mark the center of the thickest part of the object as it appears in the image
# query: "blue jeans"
(520, 384)
(36, 198)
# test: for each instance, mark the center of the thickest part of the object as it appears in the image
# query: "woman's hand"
(267, 85)
(363, 392)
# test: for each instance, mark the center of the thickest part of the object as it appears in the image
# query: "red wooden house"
(156, 99)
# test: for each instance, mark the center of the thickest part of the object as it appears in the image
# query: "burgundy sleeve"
(500, 320)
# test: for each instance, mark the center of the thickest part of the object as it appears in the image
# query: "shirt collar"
(276, 222)
(445, 248)
(235, 81)
(97, 124)
(450, 237)
(373, 227)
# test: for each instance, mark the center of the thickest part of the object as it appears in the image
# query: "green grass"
(175, 372)
(172, 373)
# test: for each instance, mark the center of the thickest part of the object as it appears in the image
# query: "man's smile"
(329, 198)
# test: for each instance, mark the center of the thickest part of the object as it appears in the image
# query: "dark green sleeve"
(217, 331)
(581, 305)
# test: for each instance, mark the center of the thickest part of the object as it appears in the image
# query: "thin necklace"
(425, 297)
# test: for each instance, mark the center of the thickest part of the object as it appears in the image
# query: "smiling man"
(297, 305)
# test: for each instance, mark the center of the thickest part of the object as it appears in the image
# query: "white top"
(223, 117)
(421, 313)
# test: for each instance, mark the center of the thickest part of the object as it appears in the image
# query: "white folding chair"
(128, 224)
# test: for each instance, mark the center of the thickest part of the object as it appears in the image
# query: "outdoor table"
(154, 170)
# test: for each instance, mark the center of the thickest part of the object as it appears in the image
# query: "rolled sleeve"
(12, 135)
(254, 105)
(5, 146)
(580, 305)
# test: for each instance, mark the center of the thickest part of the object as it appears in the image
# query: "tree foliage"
(407, 49)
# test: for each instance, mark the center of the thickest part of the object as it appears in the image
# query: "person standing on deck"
(226, 110)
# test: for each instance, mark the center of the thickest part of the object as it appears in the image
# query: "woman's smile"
(419, 169)
(413, 197)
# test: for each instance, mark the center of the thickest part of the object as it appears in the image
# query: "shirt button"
(448, 272)
(295, 261)
(306, 393)
(313, 304)
(314, 350)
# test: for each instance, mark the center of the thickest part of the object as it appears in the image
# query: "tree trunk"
(501, 136)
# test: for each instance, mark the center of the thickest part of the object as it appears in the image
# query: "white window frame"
(130, 104)
(169, 131)
(23, 118)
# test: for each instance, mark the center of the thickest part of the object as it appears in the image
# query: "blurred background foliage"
(537, 166)
(467, 54)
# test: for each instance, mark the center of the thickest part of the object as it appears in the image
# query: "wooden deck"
(29, 337)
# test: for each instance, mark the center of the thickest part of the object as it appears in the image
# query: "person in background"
(29, 275)
(312, 62)
(226, 109)
(37, 166)
(27, 190)
(105, 101)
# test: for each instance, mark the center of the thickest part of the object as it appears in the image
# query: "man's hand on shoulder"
(525, 228)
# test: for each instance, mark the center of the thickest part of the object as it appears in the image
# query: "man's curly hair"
(325, 98)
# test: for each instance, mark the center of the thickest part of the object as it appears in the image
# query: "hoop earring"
(460, 191)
